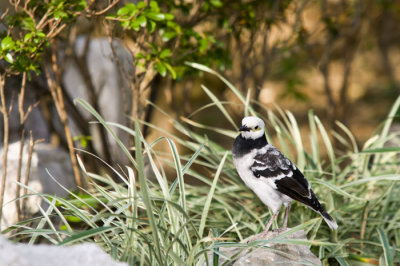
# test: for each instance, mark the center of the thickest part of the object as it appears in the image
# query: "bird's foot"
(267, 234)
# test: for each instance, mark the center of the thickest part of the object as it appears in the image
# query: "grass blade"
(220, 106)
(386, 248)
(210, 196)
(224, 80)
(91, 110)
(85, 234)
(144, 192)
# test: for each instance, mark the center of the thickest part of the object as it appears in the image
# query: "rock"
(45, 156)
(111, 74)
(35, 121)
(109, 80)
(271, 253)
(46, 255)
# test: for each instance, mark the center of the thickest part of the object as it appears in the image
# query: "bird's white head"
(252, 127)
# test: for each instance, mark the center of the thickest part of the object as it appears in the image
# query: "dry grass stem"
(32, 143)
(19, 169)
(57, 95)
(5, 113)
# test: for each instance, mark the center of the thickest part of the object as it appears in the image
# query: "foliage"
(168, 25)
(168, 220)
(39, 41)
(31, 28)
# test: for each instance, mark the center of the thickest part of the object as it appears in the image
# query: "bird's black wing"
(271, 163)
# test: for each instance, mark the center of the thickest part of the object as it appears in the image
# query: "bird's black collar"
(242, 146)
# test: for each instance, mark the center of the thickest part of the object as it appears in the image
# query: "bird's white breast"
(264, 188)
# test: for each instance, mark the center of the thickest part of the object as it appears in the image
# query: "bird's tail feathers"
(329, 220)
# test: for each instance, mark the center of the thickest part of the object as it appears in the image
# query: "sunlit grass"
(171, 221)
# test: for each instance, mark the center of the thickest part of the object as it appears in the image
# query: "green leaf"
(140, 56)
(154, 6)
(171, 70)
(203, 45)
(174, 26)
(40, 34)
(168, 36)
(7, 43)
(33, 49)
(28, 36)
(135, 25)
(169, 16)
(141, 5)
(161, 68)
(9, 58)
(216, 3)
(165, 53)
(73, 219)
(128, 10)
(155, 16)
(151, 26)
(28, 24)
(154, 49)
(142, 20)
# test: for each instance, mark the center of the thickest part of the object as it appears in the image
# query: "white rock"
(46, 255)
(57, 163)
(271, 254)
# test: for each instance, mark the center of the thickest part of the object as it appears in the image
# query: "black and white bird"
(273, 177)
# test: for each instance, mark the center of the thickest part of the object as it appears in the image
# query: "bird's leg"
(285, 219)
(268, 225)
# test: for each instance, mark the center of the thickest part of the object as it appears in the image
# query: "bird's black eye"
(256, 127)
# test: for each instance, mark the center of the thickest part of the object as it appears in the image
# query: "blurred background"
(190, 70)
(339, 58)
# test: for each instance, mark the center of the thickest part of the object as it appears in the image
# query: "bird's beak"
(244, 128)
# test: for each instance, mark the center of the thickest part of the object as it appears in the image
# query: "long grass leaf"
(338, 190)
(381, 150)
(144, 192)
(220, 106)
(91, 110)
(294, 128)
(386, 247)
(347, 131)
(328, 146)
(210, 196)
(85, 235)
(364, 180)
(230, 86)
(43, 222)
(314, 141)
(389, 120)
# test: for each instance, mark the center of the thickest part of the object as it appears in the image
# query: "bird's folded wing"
(288, 179)
(296, 183)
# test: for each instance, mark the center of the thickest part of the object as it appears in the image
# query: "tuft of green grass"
(168, 220)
